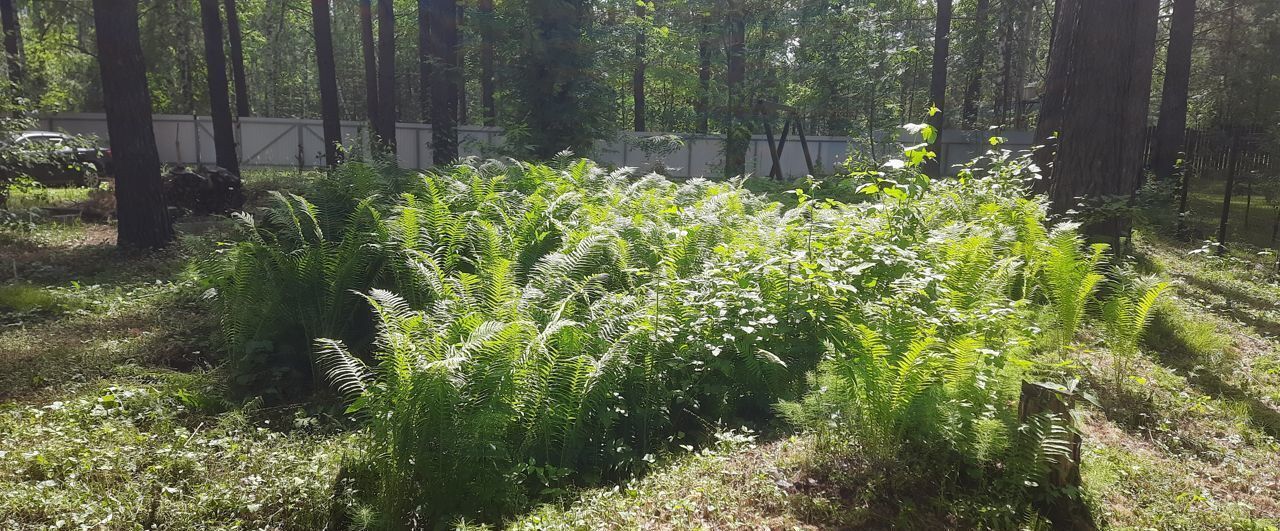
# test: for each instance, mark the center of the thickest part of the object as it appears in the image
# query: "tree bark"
(424, 59)
(938, 81)
(738, 135)
(12, 42)
(224, 135)
(554, 76)
(1109, 51)
(978, 58)
(386, 124)
(1053, 97)
(1172, 125)
(322, 26)
(704, 77)
(486, 26)
(637, 72)
(237, 58)
(460, 45)
(143, 220)
(370, 64)
(1233, 166)
(444, 85)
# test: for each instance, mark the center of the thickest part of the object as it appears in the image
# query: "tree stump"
(1060, 499)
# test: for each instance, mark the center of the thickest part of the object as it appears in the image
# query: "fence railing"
(294, 142)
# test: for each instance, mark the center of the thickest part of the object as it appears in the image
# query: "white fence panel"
(291, 142)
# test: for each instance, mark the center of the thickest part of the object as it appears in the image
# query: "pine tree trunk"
(704, 77)
(370, 64)
(224, 136)
(486, 63)
(1233, 166)
(322, 26)
(637, 73)
(424, 60)
(143, 221)
(12, 42)
(978, 49)
(1172, 125)
(237, 58)
(1053, 97)
(1106, 93)
(460, 45)
(739, 134)
(938, 80)
(444, 85)
(386, 124)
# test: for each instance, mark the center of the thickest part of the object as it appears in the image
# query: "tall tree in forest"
(1109, 50)
(224, 136)
(1172, 124)
(556, 98)
(386, 119)
(12, 41)
(143, 221)
(462, 64)
(486, 25)
(424, 59)
(444, 84)
(322, 27)
(977, 59)
(1053, 97)
(938, 78)
(704, 75)
(637, 72)
(370, 64)
(738, 135)
(236, 41)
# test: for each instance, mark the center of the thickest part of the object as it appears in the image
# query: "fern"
(1126, 315)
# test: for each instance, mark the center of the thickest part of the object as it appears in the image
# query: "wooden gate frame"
(765, 111)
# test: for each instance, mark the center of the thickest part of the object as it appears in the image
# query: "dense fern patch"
(511, 330)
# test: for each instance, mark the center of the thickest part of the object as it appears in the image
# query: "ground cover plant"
(511, 330)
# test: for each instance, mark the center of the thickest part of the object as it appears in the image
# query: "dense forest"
(848, 66)
(1075, 331)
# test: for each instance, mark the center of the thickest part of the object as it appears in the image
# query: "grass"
(110, 414)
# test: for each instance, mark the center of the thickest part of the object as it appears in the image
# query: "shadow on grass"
(1167, 341)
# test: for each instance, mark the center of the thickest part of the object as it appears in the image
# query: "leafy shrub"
(511, 330)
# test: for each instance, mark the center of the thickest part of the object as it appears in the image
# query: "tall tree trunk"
(486, 26)
(424, 59)
(143, 221)
(186, 63)
(1172, 125)
(978, 58)
(938, 80)
(553, 89)
(738, 136)
(237, 58)
(1053, 98)
(444, 85)
(459, 44)
(224, 135)
(386, 126)
(704, 77)
(12, 42)
(637, 72)
(1110, 51)
(1233, 167)
(370, 64)
(322, 26)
